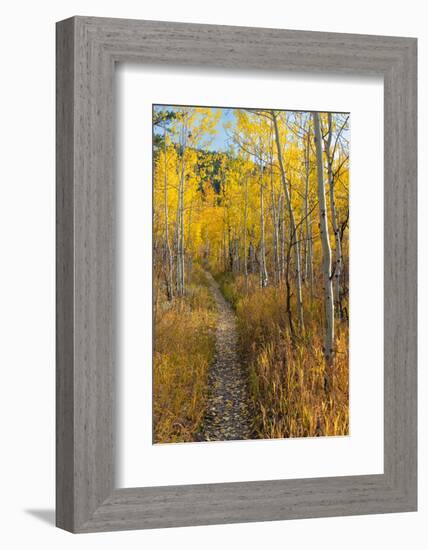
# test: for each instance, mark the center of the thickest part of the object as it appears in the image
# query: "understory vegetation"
(287, 375)
(184, 348)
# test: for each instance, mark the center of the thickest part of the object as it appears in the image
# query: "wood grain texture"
(87, 49)
(64, 276)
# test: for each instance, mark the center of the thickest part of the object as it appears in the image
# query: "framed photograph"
(236, 274)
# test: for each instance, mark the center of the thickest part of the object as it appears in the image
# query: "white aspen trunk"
(281, 231)
(188, 241)
(325, 241)
(236, 262)
(311, 264)
(309, 269)
(169, 268)
(252, 255)
(245, 234)
(182, 237)
(180, 218)
(333, 213)
(180, 240)
(224, 240)
(303, 240)
(229, 243)
(306, 208)
(293, 231)
(275, 229)
(263, 271)
(275, 232)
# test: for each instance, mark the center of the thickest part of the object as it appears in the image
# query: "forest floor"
(227, 414)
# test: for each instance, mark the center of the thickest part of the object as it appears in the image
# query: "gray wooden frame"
(87, 50)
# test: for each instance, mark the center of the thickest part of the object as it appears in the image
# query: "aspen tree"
(309, 270)
(168, 254)
(275, 221)
(263, 270)
(293, 228)
(245, 233)
(326, 250)
(180, 211)
(281, 232)
(337, 271)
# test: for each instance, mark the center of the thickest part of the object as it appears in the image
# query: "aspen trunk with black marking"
(309, 268)
(263, 270)
(180, 237)
(293, 228)
(169, 267)
(245, 235)
(281, 231)
(180, 217)
(326, 250)
(337, 270)
(275, 226)
(252, 255)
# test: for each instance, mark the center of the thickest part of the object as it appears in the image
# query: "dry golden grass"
(183, 350)
(286, 376)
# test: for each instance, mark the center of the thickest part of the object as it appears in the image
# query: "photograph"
(250, 273)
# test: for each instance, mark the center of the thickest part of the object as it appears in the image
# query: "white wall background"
(27, 273)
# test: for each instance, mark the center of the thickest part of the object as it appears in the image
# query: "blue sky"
(220, 138)
(220, 141)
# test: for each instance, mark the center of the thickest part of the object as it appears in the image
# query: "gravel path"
(227, 416)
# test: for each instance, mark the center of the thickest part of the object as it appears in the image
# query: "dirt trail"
(227, 416)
